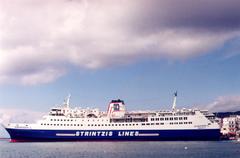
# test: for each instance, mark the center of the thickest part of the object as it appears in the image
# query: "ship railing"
(56, 114)
(22, 126)
(122, 120)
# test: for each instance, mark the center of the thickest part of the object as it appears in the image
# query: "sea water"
(145, 149)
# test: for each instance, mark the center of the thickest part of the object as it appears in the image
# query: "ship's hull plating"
(112, 135)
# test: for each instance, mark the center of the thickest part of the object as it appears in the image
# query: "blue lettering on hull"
(112, 135)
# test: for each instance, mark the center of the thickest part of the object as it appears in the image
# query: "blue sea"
(145, 149)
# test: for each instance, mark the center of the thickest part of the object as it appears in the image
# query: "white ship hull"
(66, 124)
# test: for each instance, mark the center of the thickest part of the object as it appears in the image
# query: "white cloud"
(225, 104)
(17, 116)
(40, 39)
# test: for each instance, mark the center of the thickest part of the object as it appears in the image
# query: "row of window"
(61, 120)
(72, 120)
(178, 114)
(169, 118)
(143, 124)
(176, 123)
(152, 124)
(47, 124)
(113, 124)
(152, 119)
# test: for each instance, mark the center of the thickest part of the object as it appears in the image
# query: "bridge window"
(116, 107)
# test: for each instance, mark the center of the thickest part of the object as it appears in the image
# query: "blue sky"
(146, 84)
(139, 51)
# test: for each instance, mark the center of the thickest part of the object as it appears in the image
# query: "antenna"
(174, 101)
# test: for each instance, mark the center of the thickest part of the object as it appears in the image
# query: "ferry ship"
(64, 123)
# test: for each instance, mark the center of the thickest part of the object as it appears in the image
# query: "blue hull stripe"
(118, 135)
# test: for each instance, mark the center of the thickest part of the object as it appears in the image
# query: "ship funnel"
(116, 109)
(174, 101)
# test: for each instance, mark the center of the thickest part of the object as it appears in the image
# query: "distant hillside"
(226, 114)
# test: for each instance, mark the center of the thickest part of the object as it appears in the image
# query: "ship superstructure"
(64, 123)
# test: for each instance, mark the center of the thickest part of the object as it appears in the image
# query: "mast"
(174, 101)
(67, 100)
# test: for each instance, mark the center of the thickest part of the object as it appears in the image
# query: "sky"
(141, 51)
